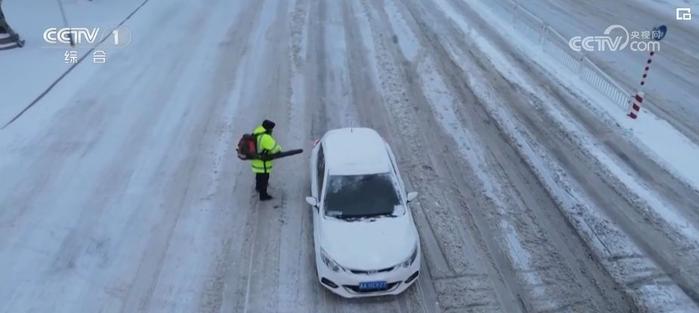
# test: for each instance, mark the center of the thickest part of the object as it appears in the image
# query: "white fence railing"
(554, 44)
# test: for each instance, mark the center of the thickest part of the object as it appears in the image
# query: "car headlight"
(411, 259)
(330, 263)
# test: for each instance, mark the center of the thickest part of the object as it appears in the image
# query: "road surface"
(121, 191)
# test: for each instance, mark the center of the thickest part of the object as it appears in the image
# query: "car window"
(320, 170)
(358, 196)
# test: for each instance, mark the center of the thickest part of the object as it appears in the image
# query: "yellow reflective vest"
(266, 144)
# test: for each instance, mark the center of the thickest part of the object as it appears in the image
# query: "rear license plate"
(372, 285)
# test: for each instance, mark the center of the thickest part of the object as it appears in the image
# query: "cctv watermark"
(617, 38)
(86, 35)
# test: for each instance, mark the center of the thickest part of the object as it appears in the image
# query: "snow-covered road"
(671, 86)
(120, 190)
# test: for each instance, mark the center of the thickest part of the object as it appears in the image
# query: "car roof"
(355, 151)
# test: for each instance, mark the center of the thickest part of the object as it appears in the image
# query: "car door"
(318, 172)
(314, 170)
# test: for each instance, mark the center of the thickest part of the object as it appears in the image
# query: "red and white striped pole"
(659, 33)
(635, 103)
(635, 108)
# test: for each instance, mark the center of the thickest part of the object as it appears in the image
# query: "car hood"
(369, 244)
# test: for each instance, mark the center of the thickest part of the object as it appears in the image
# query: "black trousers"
(261, 182)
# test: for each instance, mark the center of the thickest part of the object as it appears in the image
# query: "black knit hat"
(268, 125)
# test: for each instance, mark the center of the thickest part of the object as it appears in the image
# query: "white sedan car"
(366, 243)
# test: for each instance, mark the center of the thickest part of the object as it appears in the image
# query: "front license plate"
(372, 285)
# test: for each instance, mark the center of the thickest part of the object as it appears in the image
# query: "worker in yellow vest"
(266, 145)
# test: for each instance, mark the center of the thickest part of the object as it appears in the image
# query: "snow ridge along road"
(121, 191)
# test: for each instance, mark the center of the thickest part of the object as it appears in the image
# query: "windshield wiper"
(349, 218)
(389, 214)
(352, 218)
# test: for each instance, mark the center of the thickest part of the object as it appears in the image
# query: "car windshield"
(359, 196)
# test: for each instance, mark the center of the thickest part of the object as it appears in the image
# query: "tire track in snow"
(317, 88)
(314, 92)
(421, 297)
(558, 266)
(332, 51)
(530, 228)
(163, 271)
(604, 194)
(391, 83)
(231, 229)
(297, 274)
(268, 97)
(514, 99)
(364, 91)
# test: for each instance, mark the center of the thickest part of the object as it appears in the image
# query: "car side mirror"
(411, 196)
(312, 201)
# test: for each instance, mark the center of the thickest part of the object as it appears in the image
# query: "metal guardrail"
(554, 44)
